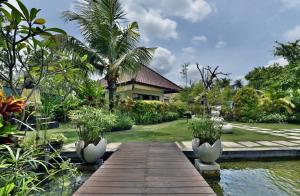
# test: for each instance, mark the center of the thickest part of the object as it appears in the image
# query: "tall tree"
(238, 84)
(290, 51)
(224, 82)
(115, 45)
(184, 72)
(209, 76)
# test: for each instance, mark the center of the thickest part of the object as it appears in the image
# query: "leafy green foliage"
(22, 36)
(123, 122)
(246, 105)
(23, 172)
(92, 123)
(263, 77)
(273, 118)
(290, 51)
(152, 112)
(205, 129)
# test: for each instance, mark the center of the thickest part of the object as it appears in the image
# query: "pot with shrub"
(91, 124)
(56, 141)
(206, 144)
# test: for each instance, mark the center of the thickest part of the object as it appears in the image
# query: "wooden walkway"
(146, 169)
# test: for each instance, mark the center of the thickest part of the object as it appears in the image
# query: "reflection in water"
(64, 185)
(258, 178)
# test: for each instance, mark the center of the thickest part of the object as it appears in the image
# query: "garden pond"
(237, 178)
(276, 178)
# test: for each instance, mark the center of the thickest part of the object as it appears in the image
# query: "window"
(145, 97)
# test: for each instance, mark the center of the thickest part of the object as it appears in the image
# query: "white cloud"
(200, 38)
(279, 61)
(290, 3)
(221, 44)
(155, 18)
(152, 24)
(292, 34)
(163, 60)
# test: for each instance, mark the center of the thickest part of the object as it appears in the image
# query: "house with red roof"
(147, 84)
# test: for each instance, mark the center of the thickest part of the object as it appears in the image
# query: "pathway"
(293, 134)
(187, 145)
(146, 169)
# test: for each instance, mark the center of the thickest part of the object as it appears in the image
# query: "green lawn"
(164, 132)
(274, 126)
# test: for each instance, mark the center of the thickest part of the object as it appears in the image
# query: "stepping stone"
(69, 147)
(293, 137)
(249, 144)
(285, 143)
(266, 129)
(253, 129)
(113, 146)
(293, 134)
(296, 141)
(263, 132)
(296, 129)
(269, 144)
(187, 144)
(279, 134)
(232, 145)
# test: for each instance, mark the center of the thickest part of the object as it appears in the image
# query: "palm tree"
(238, 84)
(224, 82)
(115, 45)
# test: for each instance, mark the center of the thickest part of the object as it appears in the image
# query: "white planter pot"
(91, 153)
(227, 128)
(205, 152)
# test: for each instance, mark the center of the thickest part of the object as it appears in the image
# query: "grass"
(164, 132)
(274, 126)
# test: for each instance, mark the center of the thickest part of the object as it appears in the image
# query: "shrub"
(246, 105)
(294, 118)
(92, 123)
(152, 112)
(227, 113)
(205, 129)
(170, 116)
(123, 122)
(273, 118)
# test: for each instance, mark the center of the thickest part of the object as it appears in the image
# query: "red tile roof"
(148, 76)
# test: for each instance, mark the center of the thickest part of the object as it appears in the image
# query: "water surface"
(256, 178)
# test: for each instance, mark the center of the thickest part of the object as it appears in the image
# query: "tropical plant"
(23, 172)
(205, 130)
(21, 32)
(115, 45)
(92, 123)
(238, 84)
(59, 137)
(273, 118)
(10, 105)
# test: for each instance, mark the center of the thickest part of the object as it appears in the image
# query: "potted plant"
(91, 125)
(206, 144)
(56, 141)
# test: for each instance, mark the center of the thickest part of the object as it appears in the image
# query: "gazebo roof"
(149, 77)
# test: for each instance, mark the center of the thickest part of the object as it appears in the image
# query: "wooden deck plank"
(146, 169)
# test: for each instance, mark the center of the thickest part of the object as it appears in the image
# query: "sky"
(236, 35)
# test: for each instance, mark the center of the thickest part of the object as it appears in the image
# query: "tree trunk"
(111, 99)
(111, 93)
